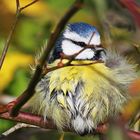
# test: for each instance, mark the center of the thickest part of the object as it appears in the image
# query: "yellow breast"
(93, 76)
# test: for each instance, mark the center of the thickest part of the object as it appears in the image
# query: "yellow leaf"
(131, 108)
(11, 63)
(37, 9)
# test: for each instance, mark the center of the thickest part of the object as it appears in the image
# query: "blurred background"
(118, 27)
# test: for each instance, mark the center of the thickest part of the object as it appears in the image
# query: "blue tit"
(85, 94)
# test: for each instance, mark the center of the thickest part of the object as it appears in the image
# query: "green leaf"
(5, 125)
(19, 83)
(27, 35)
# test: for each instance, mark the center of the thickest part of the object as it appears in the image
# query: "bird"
(89, 91)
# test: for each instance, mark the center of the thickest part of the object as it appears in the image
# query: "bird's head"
(75, 38)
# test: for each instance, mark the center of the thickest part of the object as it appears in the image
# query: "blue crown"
(82, 29)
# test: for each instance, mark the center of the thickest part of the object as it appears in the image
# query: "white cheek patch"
(76, 37)
(95, 39)
(69, 49)
(86, 54)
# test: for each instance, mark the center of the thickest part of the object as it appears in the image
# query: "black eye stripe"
(82, 44)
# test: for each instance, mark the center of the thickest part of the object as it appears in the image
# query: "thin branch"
(7, 43)
(22, 8)
(10, 35)
(67, 65)
(37, 120)
(133, 7)
(3, 109)
(28, 93)
(17, 5)
(29, 118)
(16, 127)
(133, 134)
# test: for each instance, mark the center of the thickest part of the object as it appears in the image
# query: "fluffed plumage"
(81, 97)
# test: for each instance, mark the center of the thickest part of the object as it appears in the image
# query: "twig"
(37, 120)
(3, 109)
(67, 65)
(133, 134)
(7, 43)
(17, 5)
(22, 8)
(133, 7)
(9, 38)
(16, 127)
(29, 118)
(28, 93)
